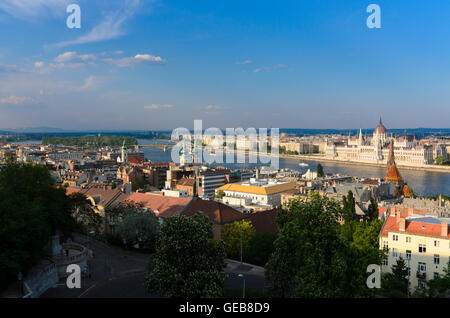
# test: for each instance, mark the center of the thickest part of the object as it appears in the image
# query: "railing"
(63, 259)
(421, 275)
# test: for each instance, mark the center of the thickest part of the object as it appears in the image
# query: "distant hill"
(42, 129)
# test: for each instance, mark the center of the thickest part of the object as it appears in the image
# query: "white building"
(376, 150)
(265, 192)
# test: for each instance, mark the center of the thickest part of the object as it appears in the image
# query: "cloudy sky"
(154, 64)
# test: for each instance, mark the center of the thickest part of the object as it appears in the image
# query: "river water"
(423, 183)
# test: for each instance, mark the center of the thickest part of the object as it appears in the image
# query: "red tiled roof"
(70, 191)
(134, 159)
(217, 212)
(381, 210)
(106, 196)
(166, 206)
(186, 182)
(264, 221)
(413, 227)
(393, 175)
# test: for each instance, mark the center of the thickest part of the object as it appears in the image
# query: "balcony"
(421, 275)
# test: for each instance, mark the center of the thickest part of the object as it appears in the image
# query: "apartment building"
(423, 240)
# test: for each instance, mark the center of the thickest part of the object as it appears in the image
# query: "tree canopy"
(313, 259)
(139, 229)
(232, 234)
(32, 208)
(188, 262)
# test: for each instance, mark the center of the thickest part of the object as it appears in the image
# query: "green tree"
(372, 211)
(32, 208)
(139, 228)
(188, 262)
(367, 234)
(138, 184)
(219, 194)
(395, 284)
(349, 207)
(320, 172)
(84, 213)
(260, 248)
(364, 251)
(232, 235)
(310, 255)
(440, 160)
(439, 286)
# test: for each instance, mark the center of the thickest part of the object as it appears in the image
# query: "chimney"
(398, 214)
(402, 224)
(444, 229)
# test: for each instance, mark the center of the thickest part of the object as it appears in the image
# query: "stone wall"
(41, 277)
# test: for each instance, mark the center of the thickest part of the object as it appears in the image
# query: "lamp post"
(243, 284)
(19, 278)
(241, 242)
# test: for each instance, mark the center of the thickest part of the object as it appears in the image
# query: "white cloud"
(213, 107)
(136, 60)
(16, 100)
(73, 57)
(110, 27)
(154, 106)
(39, 64)
(90, 83)
(269, 69)
(26, 9)
(12, 68)
(281, 66)
(244, 62)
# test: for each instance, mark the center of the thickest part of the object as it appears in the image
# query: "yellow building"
(423, 241)
(265, 192)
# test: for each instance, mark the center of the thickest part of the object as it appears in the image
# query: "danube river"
(423, 183)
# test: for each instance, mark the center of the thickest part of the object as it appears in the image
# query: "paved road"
(117, 273)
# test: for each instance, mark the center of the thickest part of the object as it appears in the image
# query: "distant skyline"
(159, 65)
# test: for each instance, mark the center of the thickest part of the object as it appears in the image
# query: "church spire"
(391, 159)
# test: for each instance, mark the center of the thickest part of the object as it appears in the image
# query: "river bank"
(322, 158)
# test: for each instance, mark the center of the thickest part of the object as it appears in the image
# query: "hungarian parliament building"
(408, 151)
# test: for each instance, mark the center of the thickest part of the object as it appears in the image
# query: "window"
(436, 243)
(408, 254)
(385, 262)
(435, 275)
(436, 259)
(408, 239)
(385, 245)
(394, 252)
(422, 268)
(422, 248)
(395, 237)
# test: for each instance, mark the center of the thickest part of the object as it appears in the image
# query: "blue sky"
(138, 64)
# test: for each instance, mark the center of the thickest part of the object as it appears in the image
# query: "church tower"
(124, 153)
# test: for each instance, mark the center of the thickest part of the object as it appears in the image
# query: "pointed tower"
(360, 140)
(393, 175)
(124, 155)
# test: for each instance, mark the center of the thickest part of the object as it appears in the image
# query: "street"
(119, 273)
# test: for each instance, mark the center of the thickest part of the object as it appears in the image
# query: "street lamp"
(19, 278)
(241, 242)
(243, 287)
